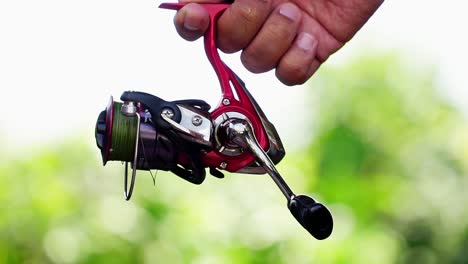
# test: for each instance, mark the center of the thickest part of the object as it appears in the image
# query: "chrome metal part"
(128, 108)
(204, 128)
(240, 132)
(198, 133)
(221, 144)
(226, 101)
(275, 151)
(197, 120)
(223, 165)
(167, 113)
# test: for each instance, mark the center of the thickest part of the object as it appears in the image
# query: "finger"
(273, 40)
(327, 43)
(191, 21)
(202, 1)
(299, 62)
(240, 23)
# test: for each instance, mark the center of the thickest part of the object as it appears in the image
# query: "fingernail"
(306, 41)
(290, 11)
(191, 24)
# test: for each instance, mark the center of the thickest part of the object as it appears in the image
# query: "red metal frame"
(227, 78)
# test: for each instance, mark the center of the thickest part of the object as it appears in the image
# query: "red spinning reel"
(184, 137)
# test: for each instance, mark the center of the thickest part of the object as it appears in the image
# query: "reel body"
(185, 137)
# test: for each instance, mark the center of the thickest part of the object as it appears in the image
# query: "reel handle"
(313, 216)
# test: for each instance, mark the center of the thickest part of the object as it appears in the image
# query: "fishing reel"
(186, 138)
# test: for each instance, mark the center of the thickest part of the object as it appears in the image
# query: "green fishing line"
(124, 131)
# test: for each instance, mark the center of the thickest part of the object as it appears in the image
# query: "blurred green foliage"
(386, 153)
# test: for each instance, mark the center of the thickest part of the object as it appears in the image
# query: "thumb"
(192, 21)
(205, 1)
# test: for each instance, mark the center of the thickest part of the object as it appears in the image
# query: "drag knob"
(103, 130)
(100, 132)
(313, 216)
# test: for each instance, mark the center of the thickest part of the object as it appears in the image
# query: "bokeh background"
(379, 134)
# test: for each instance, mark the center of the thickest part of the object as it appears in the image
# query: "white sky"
(60, 60)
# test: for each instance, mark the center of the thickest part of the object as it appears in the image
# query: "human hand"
(292, 36)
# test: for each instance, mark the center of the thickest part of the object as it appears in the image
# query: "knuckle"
(281, 31)
(278, 34)
(249, 63)
(253, 63)
(240, 23)
(252, 11)
(233, 32)
(228, 44)
(292, 74)
(247, 14)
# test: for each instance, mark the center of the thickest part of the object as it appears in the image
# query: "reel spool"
(117, 135)
(184, 137)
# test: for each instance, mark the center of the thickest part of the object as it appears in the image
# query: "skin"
(293, 37)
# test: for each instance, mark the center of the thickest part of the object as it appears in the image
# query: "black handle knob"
(313, 216)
